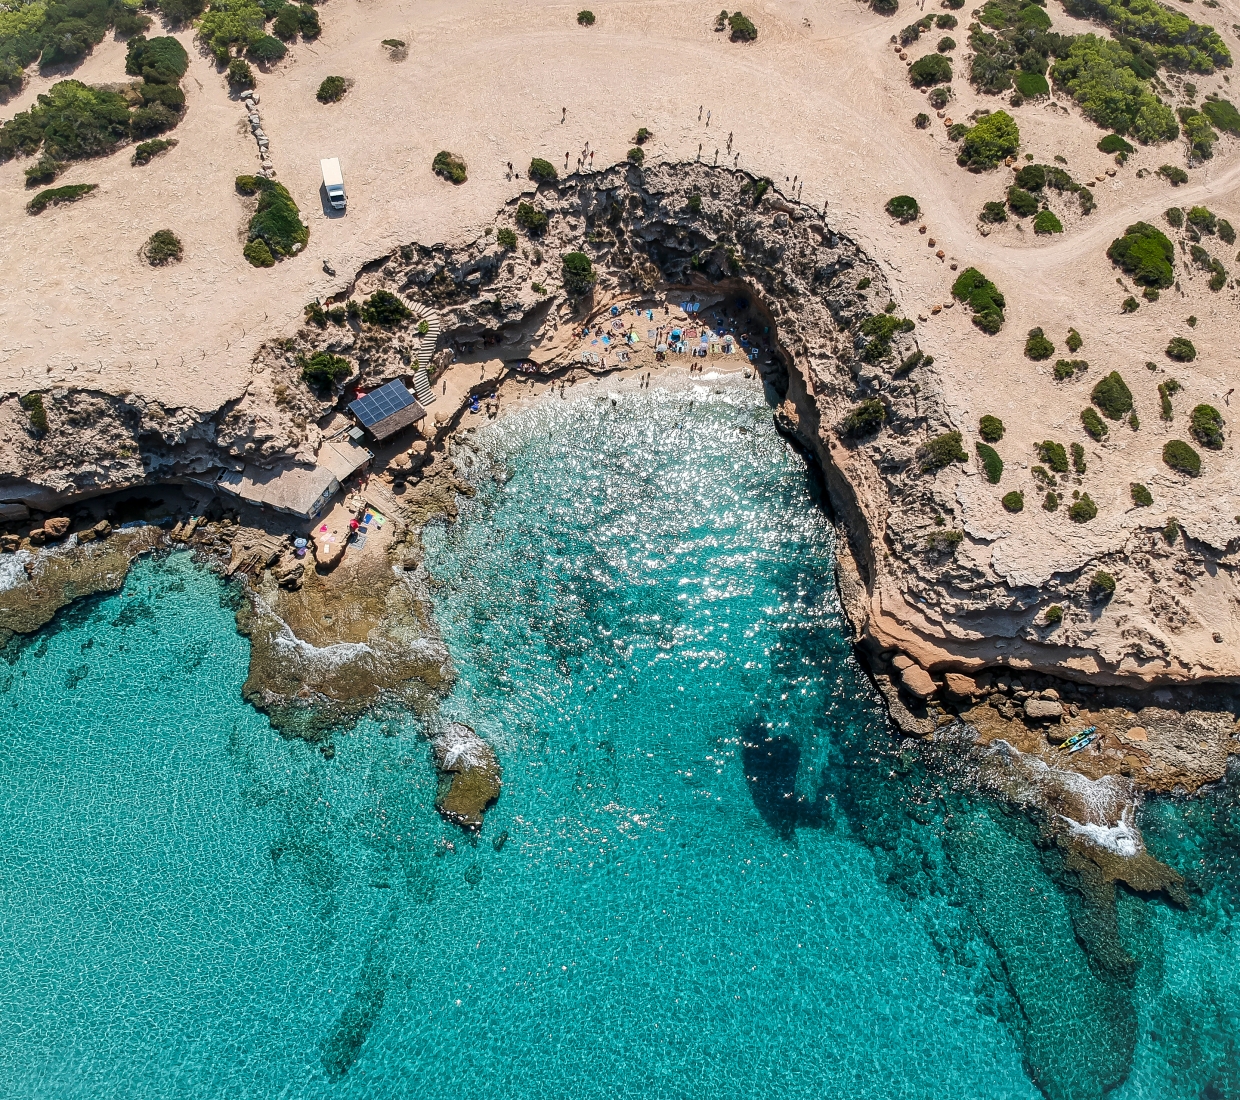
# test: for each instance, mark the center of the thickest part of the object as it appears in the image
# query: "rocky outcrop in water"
(471, 775)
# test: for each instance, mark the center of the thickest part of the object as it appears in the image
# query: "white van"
(333, 182)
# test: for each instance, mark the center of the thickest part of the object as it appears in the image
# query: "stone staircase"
(426, 349)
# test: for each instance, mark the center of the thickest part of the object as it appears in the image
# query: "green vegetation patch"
(276, 221)
(636, 155)
(1182, 458)
(1037, 346)
(1099, 73)
(1112, 396)
(1014, 501)
(742, 28)
(530, 218)
(240, 76)
(881, 330)
(1074, 341)
(258, 254)
(35, 412)
(449, 166)
(163, 247)
(1054, 455)
(1021, 202)
(1083, 509)
(1181, 349)
(322, 370)
(542, 171)
(577, 272)
(506, 238)
(1145, 254)
(1173, 175)
(1206, 425)
(385, 308)
(932, 69)
(1222, 114)
(1066, 368)
(1114, 143)
(994, 137)
(56, 196)
(990, 428)
(941, 451)
(1198, 133)
(230, 24)
(585, 18)
(1101, 586)
(1032, 85)
(1046, 223)
(157, 60)
(1141, 496)
(332, 90)
(982, 297)
(903, 208)
(71, 121)
(1093, 423)
(993, 213)
(992, 464)
(864, 419)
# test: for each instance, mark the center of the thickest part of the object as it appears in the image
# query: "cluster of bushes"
(56, 196)
(530, 218)
(1145, 254)
(941, 451)
(1102, 76)
(986, 144)
(982, 297)
(449, 166)
(1012, 44)
(1037, 346)
(147, 151)
(322, 370)
(241, 25)
(1198, 133)
(741, 27)
(1165, 38)
(1165, 391)
(880, 329)
(162, 247)
(864, 419)
(385, 308)
(276, 229)
(1112, 396)
(35, 413)
(932, 69)
(1066, 368)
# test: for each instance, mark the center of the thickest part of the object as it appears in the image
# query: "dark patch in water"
(771, 765)
(499, 841)
(133, 612)
(75, 676)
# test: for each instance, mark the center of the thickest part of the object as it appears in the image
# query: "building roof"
(343, 457)
(387, 410)
(301, 490)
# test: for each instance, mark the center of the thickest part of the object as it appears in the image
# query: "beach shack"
(387, 410)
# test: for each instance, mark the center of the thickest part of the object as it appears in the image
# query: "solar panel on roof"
(381, 404)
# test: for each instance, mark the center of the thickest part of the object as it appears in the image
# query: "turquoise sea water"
(720, 875)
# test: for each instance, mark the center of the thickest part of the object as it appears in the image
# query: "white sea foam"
(1122, 839)
(338, 653)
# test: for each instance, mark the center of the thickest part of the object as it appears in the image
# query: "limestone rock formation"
(471, 773)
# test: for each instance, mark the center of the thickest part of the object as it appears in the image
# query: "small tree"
(385, 308)
(742, 27)
(542, 171)
(636, 155)
(990, 428)
(240, 75)
(1101, 586)
(577, 272)
(531, 219)
(506, 238)
(903, 208)
(332, 89)
(1181, 349)
(1037, 346)
(449, 166)
(585, 18)
(322, 370)
(163, 247)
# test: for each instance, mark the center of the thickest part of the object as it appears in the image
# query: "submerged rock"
(470, 775)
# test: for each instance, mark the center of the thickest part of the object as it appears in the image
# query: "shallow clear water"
(640, 606)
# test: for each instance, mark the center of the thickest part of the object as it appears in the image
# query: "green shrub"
(1082, 510)
(1053, 455)
(163, 247)
(1222, 114)
(1101, 586)
(1181, 349)
(44, 170)
(287, 23)
(1225, 231)
(695, 203)
(1200, 218)
(531, 219)
(506, 238)
(1141, 496)
(945, 22)
(240, 75)
(1181, 457)
(56, 196)
(1112, 396)
(1206, 425)
(257, 252)
(156, 60)
(636, 155)
(1037, 346)
(910, 34)
(1078, 457)
(1175, 217)
(990, 428)
(385, 308)
(1113, 143)
(155, 119)
(1074, 340)
(881, 329)
(1173, 175)
(941, 451)
(585, 18)
(1096, 73)
(1046, 223)
(1150, 294)
(577, 272)
(1032, 85)
(743, 29)
(35, 413)
(542, 171)
(1032, 177)
(1050, 502)
(308, 21)
(642, 136)
(1198, 133)
(277, 221)
(939, 96)
(993, 213)
(992, 464)
(449, 166)
(1129, 305)
(322, 370)
(317, 315)
(1014, 501)
(1093, 423)
(932, 69)
(71, 121)
(864, 419)
(1145, 254)
(1134, 421)
(1171, 530)
(995, 137)
(1021, 202)
(921, 120)
(266, 50)
(956, 131)
(946, 45)
(982, 297)
(332, 89)
(1066, 368)
(1054, 614)
(903, 208)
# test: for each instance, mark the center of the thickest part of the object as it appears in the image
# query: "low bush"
(322, 370)
(1021, 203)
(1037, 346)
(35, 413)
(992, 464)
(385, 308)
(317, 315)
(1054, 614)
(1201, 219)
(636, 155)
(642, 136)
(1050, 502)
(1174, 216)
(240, 75)
(932, 69)
(1074, 341)
(332, 90)
(946, 45)
(1150, 294)
(1134, 421)
(1223, 114)
(1145, 254)
(1165, 391)
(1112, 396)
(921, 120)
(57, 196)
(258, 253)
(990, 428)
(1205, 423)
(577, 272)
(945, 22)
(1129, 305)
(1047, 223)
(1226, 233)
(941, 451)
(982, 297)
(909, 34)
(994, 137)
(1101, 586)
(531, 218)
(308, 21)
(1078, 457)
(542, 171)
(1014, 501)
(585, 18)
(157, 60)
(1032, 177)
(695, 203)
(1198, 133)
(287, 23)
(881, 328)
(1171, 530)
(1181, 349)
(903, 208)
(1141, 496)
(506, 238)
(266, 50)
(1093, 423)
(44, 170)
(742, 28)
(1181, 457)
(993, 213)
(1053, 455)
(1066, 368)
(939, 96)
(449, 166)
(1173, 175)
(162, 247)
(864, 419)
(1032, 85)
(1083, 509)
(1114, 143)
(276, 221)
(70, 121)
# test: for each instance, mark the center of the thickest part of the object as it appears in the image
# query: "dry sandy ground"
(821, 95)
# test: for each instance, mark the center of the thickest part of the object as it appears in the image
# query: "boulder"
(328, 554)
(900, 662)
(1043, 710)
(56, 527)
(916, 681)
(288, 571)
(1049, 693)
(11, 543)
(38, 536)
(963, 687)
(102, 529)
